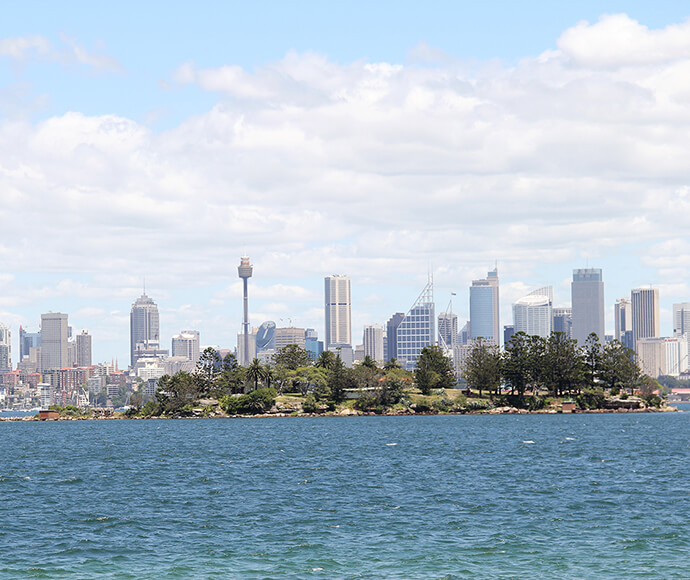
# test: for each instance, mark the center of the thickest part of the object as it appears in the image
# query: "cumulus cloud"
(617, 40)
(378, 169)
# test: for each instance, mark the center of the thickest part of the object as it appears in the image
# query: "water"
(600, 496)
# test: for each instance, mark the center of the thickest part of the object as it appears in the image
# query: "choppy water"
(578, 496)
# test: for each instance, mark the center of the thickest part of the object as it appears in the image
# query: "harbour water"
(566, 496)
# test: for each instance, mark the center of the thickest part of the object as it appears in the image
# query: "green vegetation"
(531, 373)
(555, 367)
(71, 411)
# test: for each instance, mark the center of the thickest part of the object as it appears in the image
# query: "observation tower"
(245, 272)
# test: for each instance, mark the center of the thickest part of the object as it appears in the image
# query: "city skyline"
(554, 140)
(163, 338)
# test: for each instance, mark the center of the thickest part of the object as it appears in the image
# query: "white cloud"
(67, 52)
(376, 170)
(617, 40)
(21, 47)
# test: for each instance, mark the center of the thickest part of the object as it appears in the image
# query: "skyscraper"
(417, 329)
(186, 344)
(533, 313)
(338, 304)
(484, 317)
(27, 341)
(645, 314)
(373, 342)
(563, 321)
(5, 349)
(681, 319)
(266, 336)
(54, 334)
(587, 292)
(447, 329)
(392, 335)
(245, 271)
(623, 315)
(83, 346)
(144, 328)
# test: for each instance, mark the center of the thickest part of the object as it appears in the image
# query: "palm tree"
(392, 364)
(369, 362)
(256, 372)
(325, 360)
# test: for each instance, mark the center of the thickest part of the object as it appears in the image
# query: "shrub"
(442, 405)
(310, 404)
(478, 405)
(254, 403)
(653, 401)
(369, 402)
(590, 399)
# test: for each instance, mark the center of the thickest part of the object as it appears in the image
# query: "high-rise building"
(373, 342)
(250, 343)
(245, 271)
(312, 344)
(290, 335)
(484, 308)
(5, 349)
(144, 329)
(623, 315)
(663, 356)
(533, 314)
(563, 321)
(644, 307)
(587, 292)
(54, 334)
(266, 336)
(338, 304)
(447, 329)
(83, 349)
(27, 341)
(681, 319)
(186, 344)
(418, 329)
(392, 335)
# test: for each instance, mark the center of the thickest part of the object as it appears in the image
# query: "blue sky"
(378, 140)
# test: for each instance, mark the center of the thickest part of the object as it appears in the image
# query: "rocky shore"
(350, 412)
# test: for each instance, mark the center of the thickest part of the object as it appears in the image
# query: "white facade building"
(373, 342)
(186, 344)
(338, 310)
(533, 314)
(5, 349)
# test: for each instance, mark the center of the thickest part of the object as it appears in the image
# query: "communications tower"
(245, 272)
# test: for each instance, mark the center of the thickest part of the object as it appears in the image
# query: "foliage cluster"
(254, 403)
(554, 366)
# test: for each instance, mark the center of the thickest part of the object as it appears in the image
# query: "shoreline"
(355, 413)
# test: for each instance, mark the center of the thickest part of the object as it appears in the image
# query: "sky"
(156, 143)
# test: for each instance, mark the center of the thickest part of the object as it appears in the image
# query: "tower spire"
(245, 271)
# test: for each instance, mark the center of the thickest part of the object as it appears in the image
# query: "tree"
(339, 380)
(562, 366)
(256, 373)
(434, 370)
(369, 363)
(517, 365)
(392, 364)
(178, 393)
(325, 360)
(208, 369)
(292, 357)
(482, 368)
(592, 352)
(306, 379)
(618, 368)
